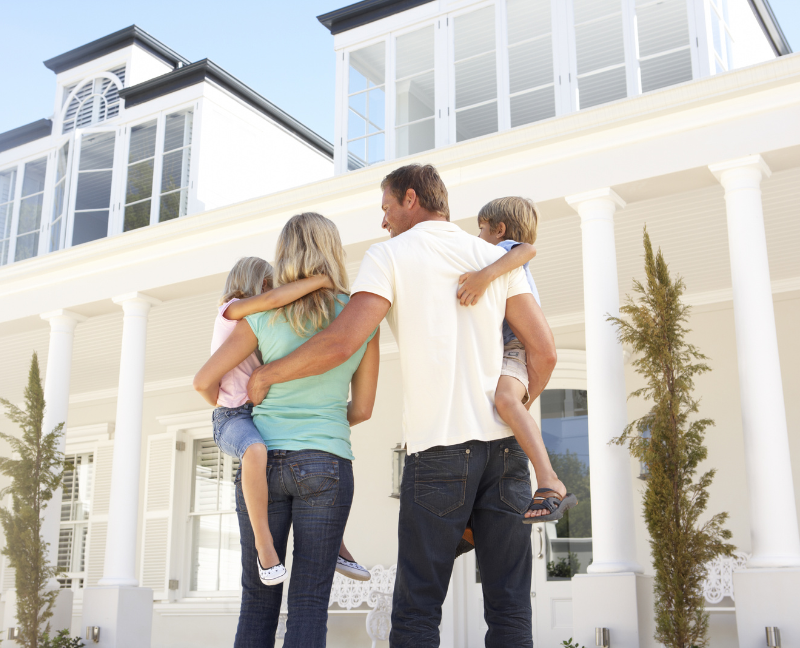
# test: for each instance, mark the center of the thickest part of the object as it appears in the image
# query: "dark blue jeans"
(312, 491)
(441, 488)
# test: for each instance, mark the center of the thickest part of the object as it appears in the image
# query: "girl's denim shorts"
(234, 430)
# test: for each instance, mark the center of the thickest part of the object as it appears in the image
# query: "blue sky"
(276, 47)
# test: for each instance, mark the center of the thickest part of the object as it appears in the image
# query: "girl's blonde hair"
(246, 279)
(310, 245)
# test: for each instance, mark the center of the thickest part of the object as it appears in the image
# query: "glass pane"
(475, 122)
(356, 126)
(729, 50)
(599, 44)
(55, 235)
(89, 226)
(476, 80)
(27, 246)
(97, 151)
(94, 190)
(8, 181)
(30, 214)
(230, 559)
(414, 52)
(61, 164)
(173, 205)
(716, 32)
(376, 108)
(415, 138)
(662, 27)
(375, 149)
(530, 64)
(527, 19)
(415, 99)
(140, 181)
(474, 33)
(33, 179)
(143, 142)
(175, 172)
(357, 155)
(358, 104)
(585, 10)
(565, 430)
(369, 64)
(533, 106)
(602, 87)
(205, 553)
(82, 502)
(178, 131)
(666, 70)
(136, 216)
(206, 475)
(227, 492)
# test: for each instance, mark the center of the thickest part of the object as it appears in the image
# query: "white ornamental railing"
(349, 595)
(719, 581)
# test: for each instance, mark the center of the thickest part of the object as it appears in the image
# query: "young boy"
(511, 224)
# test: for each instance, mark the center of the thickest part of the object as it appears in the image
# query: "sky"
(276, 47)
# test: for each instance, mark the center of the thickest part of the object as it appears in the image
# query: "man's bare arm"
(526, 319)
(327, 349)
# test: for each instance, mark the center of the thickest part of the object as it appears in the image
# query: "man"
(462, 459)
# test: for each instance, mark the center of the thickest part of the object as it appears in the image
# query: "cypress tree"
(669, 440)
(35, 474)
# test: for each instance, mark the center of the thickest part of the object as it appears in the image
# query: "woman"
(306, 426)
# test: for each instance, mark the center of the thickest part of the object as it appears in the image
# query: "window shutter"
(98, 519)
(7, 576)
(157, 532)
(663, 40)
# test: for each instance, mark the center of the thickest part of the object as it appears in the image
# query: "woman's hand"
(472, 286)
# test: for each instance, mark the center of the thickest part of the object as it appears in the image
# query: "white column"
(613, 536)
(56, 398)
(120, 557)
(773, 530)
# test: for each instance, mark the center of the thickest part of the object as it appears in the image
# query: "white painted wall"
(245, 154)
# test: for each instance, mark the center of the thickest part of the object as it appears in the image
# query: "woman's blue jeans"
(312, 491)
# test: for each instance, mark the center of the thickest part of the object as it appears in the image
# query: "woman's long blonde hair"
(246, 279)
(310, 245)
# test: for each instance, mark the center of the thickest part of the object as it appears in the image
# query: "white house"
(683, 115)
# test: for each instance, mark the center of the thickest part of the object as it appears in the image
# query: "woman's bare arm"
(276, 297)
(365, 383)
(472, 285)
(240, 344)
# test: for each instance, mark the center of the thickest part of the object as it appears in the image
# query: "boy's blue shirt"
(508, 334)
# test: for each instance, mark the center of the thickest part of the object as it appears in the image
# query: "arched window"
(93, 101)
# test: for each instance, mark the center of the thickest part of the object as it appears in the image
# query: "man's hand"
(472, 286)
(257, 387)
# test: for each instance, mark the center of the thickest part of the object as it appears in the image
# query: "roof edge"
(365, 12)
(111, 43)
(770, 26)
(204, 70)
(24, 134)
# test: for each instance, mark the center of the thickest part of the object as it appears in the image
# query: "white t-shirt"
(450, 355)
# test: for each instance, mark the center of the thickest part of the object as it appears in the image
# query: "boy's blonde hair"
(246, 279)
(309, 245)
(519, 215)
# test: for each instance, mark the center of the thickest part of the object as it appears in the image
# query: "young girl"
(248, 290)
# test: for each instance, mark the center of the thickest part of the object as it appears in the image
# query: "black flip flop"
(546, 499)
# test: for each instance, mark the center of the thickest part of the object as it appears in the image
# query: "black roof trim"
(202, 70)
(24, 134)
(365, 12)
(112, 43)
(769, 24)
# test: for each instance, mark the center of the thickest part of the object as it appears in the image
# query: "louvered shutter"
(7, 576)
(98, 519)
(663, 43)
(157, 531)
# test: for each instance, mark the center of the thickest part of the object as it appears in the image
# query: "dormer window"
(367, 106)
(93, 101)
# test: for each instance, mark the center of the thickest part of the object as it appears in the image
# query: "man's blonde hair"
(310, 245)
(519, 215)
(246, 279)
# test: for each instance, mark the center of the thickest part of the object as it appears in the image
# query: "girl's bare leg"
(344, 553)
(256, 497)
(508, 401)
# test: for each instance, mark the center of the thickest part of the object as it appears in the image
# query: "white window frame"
(715, 58)
(80, 83)
(44, 240)
(77, 524)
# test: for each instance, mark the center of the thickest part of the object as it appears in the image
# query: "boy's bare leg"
(344, 553)
(256, 497)
(508, 401)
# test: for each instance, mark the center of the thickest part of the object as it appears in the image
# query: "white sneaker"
(272, 576)
(352, 570)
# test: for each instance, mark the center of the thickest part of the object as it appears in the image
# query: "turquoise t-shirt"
(308, 413)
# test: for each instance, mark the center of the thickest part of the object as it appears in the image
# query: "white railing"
(350, 596)
(719, 581)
